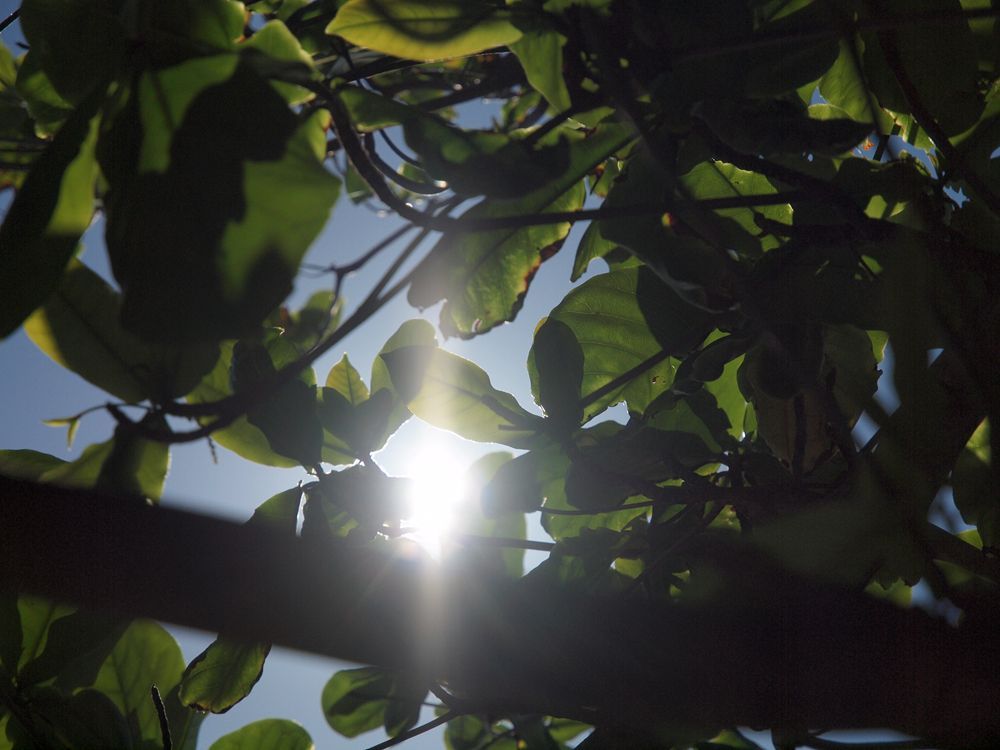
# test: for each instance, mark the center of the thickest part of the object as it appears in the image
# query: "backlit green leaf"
(358, 700)
(939, 59)
(623, 320)
(240, 437)
(214, 234)
(484, 275)
(222, 675)
(453, 393)
(288, 417)
(266, 734)
(145, 655)
(424, 29)
(135, 465)
(540, 52)
(80, 327)
(49, 213)
(80, 44)
(344, 379)
(972, 481)
(27, 464)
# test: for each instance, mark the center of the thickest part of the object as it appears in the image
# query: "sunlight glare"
(436, 490)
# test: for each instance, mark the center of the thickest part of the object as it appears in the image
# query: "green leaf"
(222, 675)
(308, 325)
(80, 327)
(559, 361)
(621, 320)
(950, 92)
(27, 464)
(592, 245)
(288, 416)
(778, 127)
(468, 732)
(214, 222)
(455, 394)
(697, 413)
(279, 511)
(134, 465)
(145, 655)
(476, 162)
(424, 29)
(48, 110)
(410, 333)
(844, 86)
(49, 213)
(693, 268)
(972, 481)
(717, 179)
(241, 437)
(540, 52)
(485, 275)
(359, 700)
(266, 734)
(54, 642)
(776, 69)
(80, 44)
(470, 519)
(848, 352)
(276, 44)
(85, 719)
(346, 381)
(127, 463)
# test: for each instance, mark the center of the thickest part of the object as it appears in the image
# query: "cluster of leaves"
(784, 187)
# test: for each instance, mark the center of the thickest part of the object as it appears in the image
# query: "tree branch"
(785, 652)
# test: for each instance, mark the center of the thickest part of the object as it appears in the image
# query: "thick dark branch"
(793, 653)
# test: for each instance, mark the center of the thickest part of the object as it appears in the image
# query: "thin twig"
(10, 19)
(416, 731)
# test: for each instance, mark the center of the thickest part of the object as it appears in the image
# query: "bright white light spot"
(435, 494)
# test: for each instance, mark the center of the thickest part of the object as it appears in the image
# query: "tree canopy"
(786, 195)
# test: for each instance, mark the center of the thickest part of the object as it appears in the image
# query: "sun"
(437, 489)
